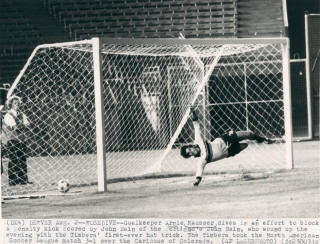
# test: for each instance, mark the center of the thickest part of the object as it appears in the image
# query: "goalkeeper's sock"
(260, 139)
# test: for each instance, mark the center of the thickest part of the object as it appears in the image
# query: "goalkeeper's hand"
(198, 180)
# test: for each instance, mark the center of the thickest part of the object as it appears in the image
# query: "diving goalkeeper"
(224, 146)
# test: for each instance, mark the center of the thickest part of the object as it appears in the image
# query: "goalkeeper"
(224, 146)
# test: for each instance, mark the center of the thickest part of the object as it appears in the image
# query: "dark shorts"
(231, 139)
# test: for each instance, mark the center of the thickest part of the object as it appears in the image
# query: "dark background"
(296, 11)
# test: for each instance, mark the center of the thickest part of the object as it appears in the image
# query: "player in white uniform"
(221, 147)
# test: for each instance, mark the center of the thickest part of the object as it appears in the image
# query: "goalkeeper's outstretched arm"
(202, 159)
(197, 149)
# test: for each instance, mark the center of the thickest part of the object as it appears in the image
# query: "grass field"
(285, 194)
(81, 169)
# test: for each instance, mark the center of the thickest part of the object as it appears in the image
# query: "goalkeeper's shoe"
(269, 141)
(197, 182)
(260, 139)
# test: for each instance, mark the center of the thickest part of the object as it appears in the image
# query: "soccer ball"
(63, 186)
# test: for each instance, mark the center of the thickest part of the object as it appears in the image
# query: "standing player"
(13, 126)
(224, 146)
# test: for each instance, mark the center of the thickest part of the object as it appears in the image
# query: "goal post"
(287, 104)
(111, 109)
(99, 103)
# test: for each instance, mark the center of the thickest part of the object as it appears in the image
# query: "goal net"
(148, 87)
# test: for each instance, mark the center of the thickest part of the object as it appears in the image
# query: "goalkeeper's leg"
(249, 135)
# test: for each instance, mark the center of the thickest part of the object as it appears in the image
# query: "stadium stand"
(260, 18)
(146, 18)
(20, 32)
(17, 38)
(15, 27)
(68, 20)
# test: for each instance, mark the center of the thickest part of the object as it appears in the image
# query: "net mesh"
(148, 91)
